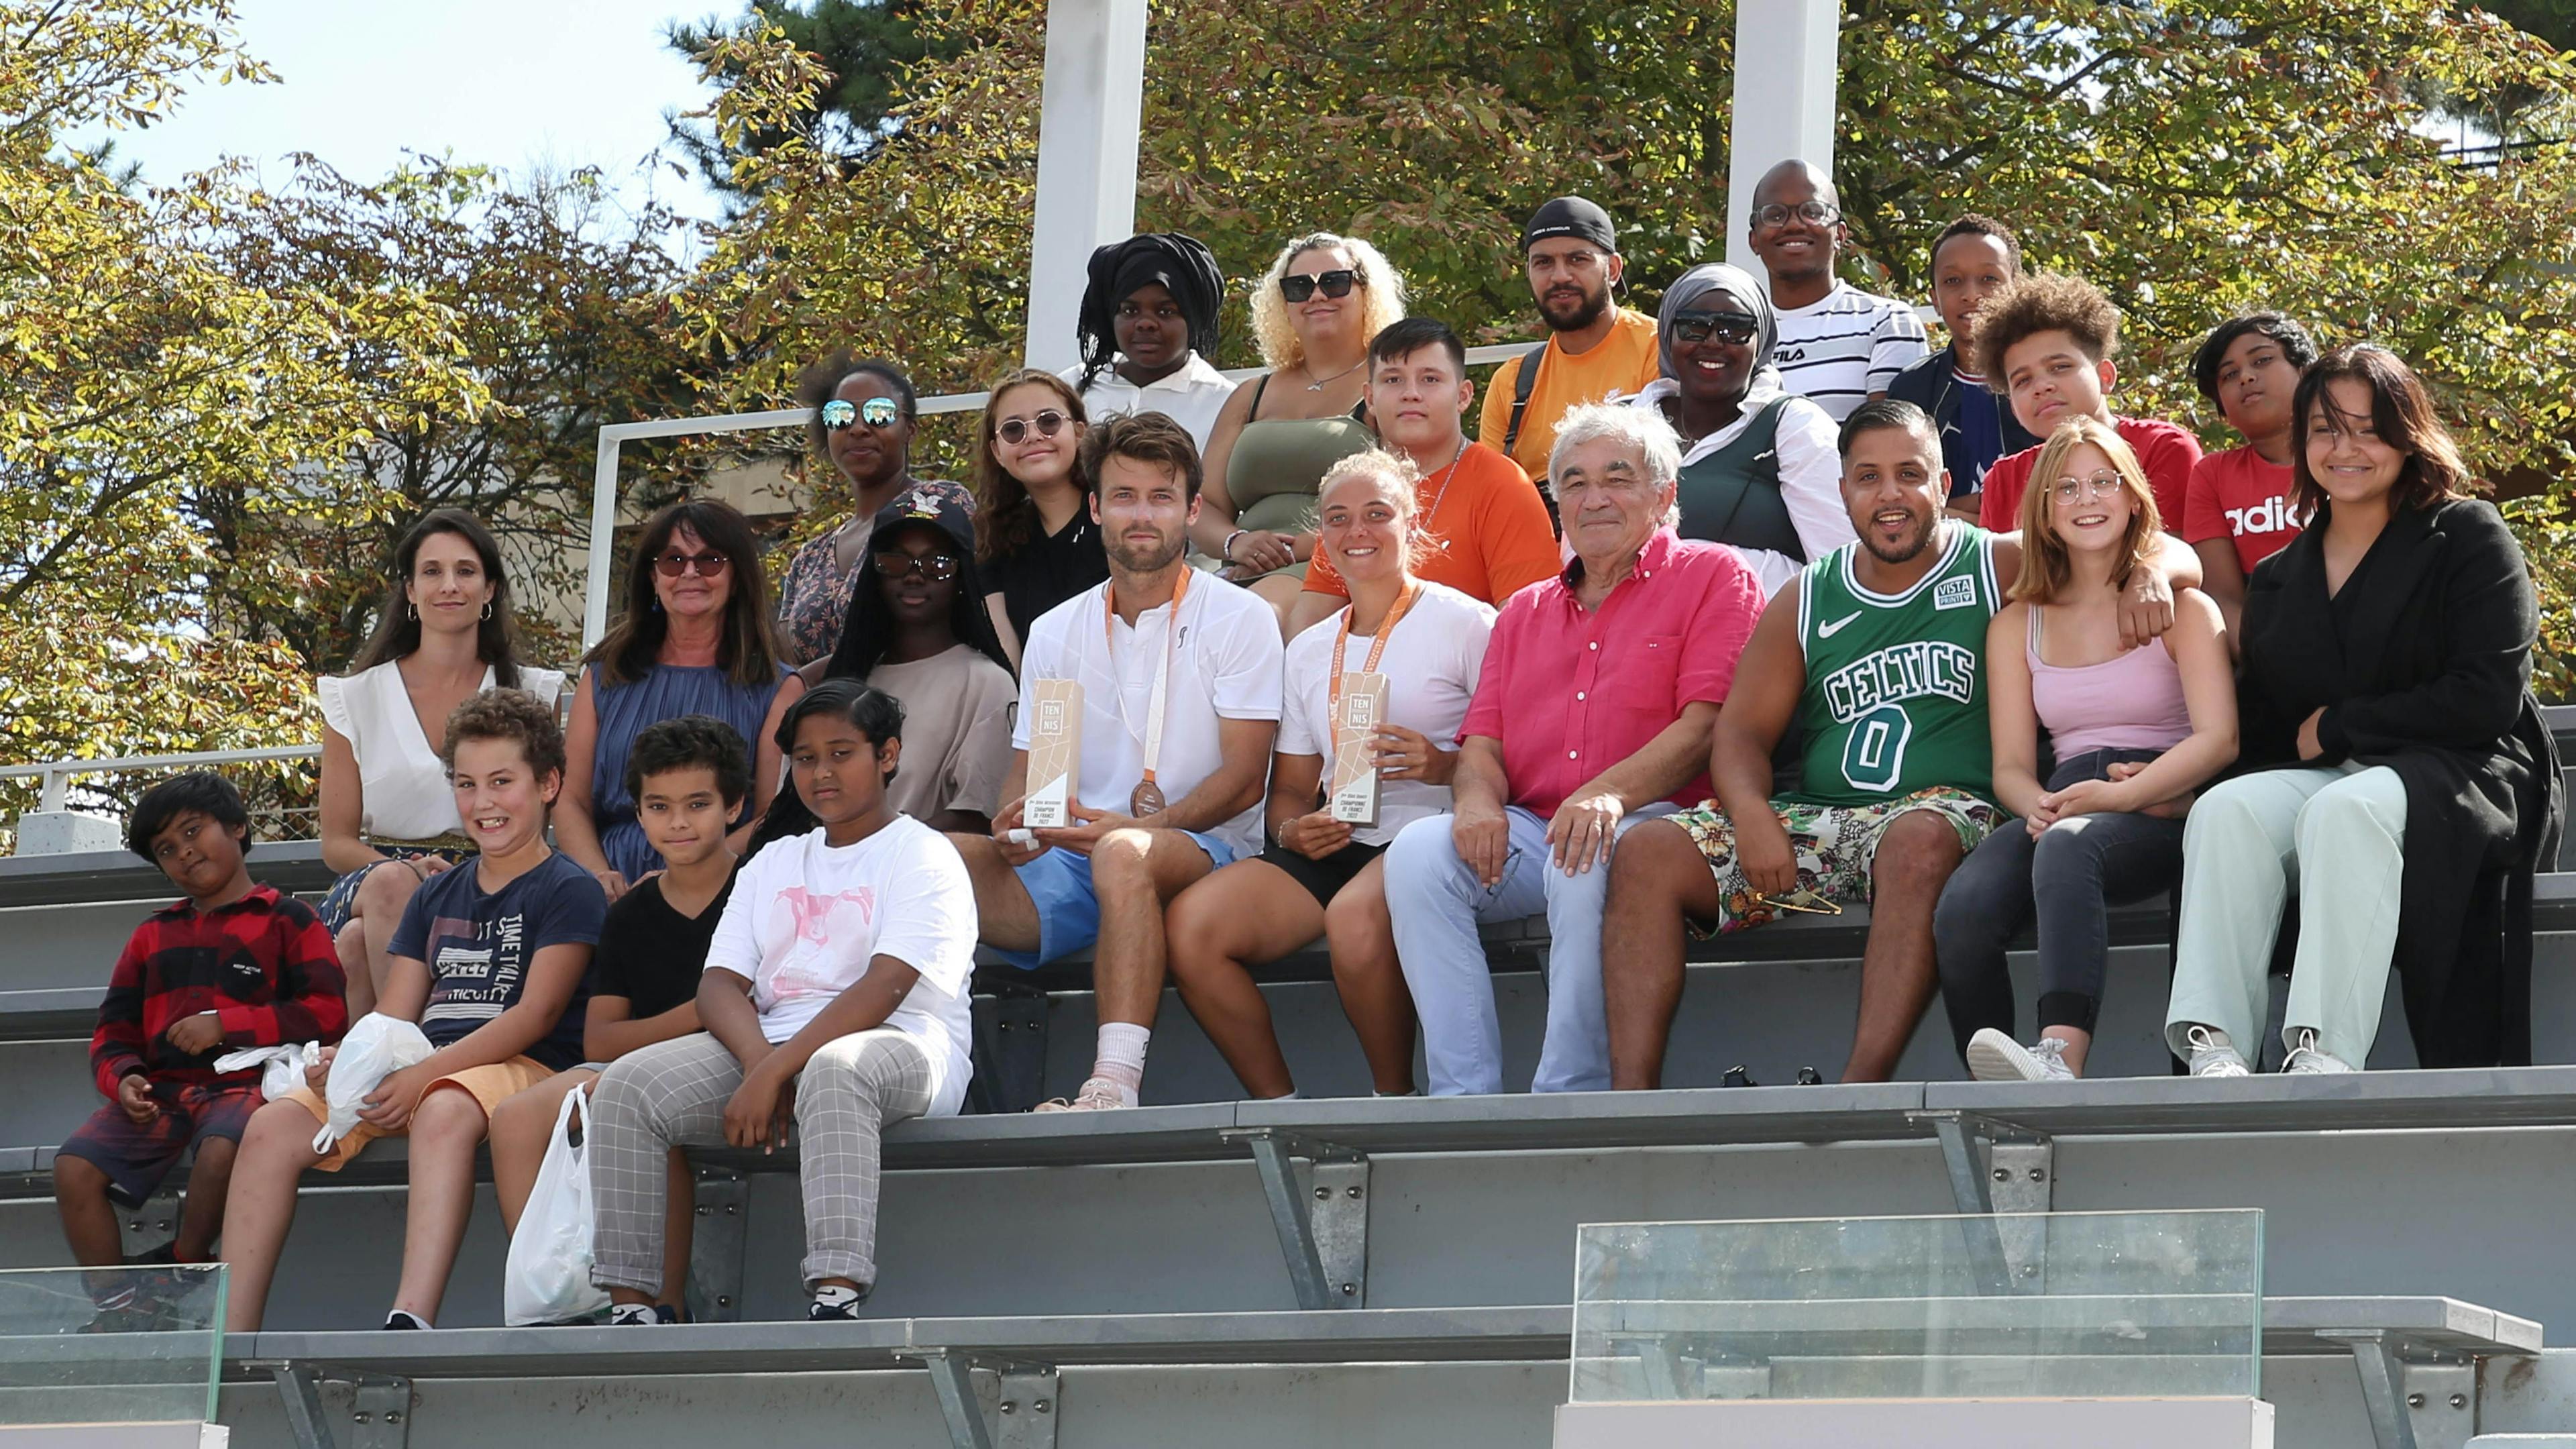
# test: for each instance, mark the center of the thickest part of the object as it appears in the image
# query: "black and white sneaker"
(401, 1318)
(835, 1305)
(626, 1315)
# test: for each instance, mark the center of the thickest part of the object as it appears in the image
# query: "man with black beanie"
(1147, 324)
(1595, 348)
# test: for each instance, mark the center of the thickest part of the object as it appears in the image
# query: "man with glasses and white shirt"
(1838, 344)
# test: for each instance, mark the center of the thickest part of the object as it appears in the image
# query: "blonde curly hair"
(1381, 293)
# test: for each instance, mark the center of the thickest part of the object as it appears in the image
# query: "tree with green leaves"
(864, 45)
(2194, 158)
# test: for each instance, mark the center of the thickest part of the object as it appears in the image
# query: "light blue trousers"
(1437, 903)
(2335, 838)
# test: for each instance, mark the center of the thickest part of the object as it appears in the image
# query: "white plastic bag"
(548, 1278)
(376, 1048)
(281, 1068)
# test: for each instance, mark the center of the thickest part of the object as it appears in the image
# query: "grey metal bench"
(2400, 1346)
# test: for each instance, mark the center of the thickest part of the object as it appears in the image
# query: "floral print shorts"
(1833, 846)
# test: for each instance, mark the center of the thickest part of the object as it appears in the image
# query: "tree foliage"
(220, 402)
(864, 45)
(2194, 158)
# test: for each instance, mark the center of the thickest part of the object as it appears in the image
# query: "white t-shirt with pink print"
(806, 918)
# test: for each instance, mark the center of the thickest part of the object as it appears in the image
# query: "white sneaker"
(2307, 1059)
(1996, 1057)
(2213, 1055)
(1099, 1094)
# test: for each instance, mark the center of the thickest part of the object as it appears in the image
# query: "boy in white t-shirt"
(835, 1005)
(1156, 640)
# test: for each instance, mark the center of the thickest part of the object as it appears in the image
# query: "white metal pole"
(1786, 69)
(603, 538)
(1091, 108)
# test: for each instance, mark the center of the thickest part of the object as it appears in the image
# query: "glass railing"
(2043, 1305)
(134, 1345)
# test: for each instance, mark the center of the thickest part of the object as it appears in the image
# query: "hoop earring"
(487, 611)
(414, 611)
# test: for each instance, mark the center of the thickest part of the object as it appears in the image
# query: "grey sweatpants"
(673, 1094)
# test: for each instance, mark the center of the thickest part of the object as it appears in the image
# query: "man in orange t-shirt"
(1594, 350)
(1489, 530)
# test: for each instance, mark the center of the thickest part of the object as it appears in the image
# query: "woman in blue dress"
(696, 638)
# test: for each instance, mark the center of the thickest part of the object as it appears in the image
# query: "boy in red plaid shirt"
(233, 965)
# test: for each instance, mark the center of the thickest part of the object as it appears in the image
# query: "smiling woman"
(1760, 468)
(695, 639)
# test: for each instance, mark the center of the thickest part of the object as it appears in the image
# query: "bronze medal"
(1146, 801)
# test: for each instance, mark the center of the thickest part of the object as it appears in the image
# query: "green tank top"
(1896, 692)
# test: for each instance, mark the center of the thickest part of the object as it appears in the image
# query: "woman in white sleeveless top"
(389, 818)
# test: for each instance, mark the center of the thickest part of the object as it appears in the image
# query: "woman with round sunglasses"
(1313, 314)
(864, 415)
(1319, 876)
(1035, 543)
(920, 631)
(1761, 467)
(695, 638)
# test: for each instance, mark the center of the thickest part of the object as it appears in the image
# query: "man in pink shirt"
(1594, 712)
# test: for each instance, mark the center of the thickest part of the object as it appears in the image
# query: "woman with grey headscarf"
(1760, 467)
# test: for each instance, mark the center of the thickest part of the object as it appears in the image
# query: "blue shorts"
(1059, 885)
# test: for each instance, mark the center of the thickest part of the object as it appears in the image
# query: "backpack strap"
(1521, 386)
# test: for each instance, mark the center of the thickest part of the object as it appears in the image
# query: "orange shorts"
(490, 1085)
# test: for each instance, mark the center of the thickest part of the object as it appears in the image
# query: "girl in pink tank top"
(2134, 731)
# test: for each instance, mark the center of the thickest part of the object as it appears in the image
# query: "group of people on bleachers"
(1754, 608)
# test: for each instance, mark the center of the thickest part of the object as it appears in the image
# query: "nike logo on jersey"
(1827, 631)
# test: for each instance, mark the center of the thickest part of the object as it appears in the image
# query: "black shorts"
(1323, 879)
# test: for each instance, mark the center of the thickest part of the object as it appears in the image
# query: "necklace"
(1377, 647)
(1147, 798)
(1448, 475)
(1318, 384)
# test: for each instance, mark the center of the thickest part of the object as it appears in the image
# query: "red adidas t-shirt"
(2166, 450)
(2238, 496)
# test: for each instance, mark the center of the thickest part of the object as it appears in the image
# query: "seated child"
(686, 776)
(834, 1002)
(489, 959)
(233, 965)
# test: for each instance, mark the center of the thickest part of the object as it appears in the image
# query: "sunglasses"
(1048, 423)
(1803, 901)
(876, 412)
(1814, 213)
(1735, 327)
(675, 563)
(1335, 283)
(894, 563)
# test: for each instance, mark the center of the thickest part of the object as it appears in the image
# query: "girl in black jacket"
(2397, 777)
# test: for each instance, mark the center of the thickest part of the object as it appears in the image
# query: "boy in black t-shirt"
(490, 961)
(687, 776)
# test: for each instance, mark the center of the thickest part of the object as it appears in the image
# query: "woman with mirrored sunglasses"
(1761, 467)
(694, 638)
(919, 631)
(1313, 314)
(864, 413)
(1035, 543)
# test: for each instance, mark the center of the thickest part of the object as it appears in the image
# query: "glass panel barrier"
(111, 1345)
(2046, 1305)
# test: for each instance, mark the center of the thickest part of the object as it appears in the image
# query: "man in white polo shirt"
(1839, 346)
(1180, 700)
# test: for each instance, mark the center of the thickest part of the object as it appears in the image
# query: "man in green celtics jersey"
(1877, 649)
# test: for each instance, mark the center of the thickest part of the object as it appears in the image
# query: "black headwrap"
(1180, 265)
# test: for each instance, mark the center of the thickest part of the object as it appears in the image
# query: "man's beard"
(1145, 561)
(1908, 548)
(1594, 304)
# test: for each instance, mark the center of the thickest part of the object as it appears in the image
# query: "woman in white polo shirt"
(1318, 876)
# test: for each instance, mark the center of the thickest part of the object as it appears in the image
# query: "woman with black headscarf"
(1148, 321)
(1761, 468)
